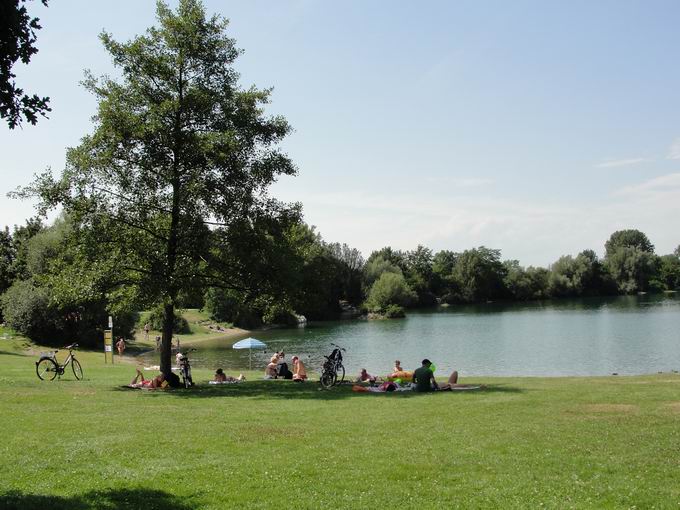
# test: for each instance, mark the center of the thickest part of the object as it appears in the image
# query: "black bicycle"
(185, 367)
(333, 371)
(47, 367)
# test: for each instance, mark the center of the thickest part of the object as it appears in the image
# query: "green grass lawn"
(611, 442)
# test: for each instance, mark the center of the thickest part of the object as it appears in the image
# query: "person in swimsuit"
(120, 345)
(271, 371)
(147, 384)
(299, 371)
(221, 377)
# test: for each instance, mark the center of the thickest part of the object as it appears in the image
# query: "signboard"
(108, 345)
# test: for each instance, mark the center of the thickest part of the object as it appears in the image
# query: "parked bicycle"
(185, 367)
(47, 367)
(333, 371)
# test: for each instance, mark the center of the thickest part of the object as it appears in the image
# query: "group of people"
(277, 368)
(422, 378)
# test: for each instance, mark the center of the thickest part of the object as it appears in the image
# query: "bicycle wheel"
(77, 369)
(327, 380)
(340, 374)
(46, 369)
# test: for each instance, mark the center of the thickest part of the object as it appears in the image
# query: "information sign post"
(108, 345)
(108, 341)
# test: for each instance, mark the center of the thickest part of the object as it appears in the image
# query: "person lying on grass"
(364, 376)
(148, 384)
(424, 380)
(221, 377)
(299, 371)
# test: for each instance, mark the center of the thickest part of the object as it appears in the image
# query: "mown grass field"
(609, 442)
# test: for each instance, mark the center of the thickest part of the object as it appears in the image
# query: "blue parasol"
(250, 344)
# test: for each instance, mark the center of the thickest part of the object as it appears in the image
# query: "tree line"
(52, 289)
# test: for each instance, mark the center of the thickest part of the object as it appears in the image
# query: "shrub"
(390, 288)
(394, 312)
(26, 308)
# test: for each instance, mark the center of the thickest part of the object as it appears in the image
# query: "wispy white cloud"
(658, 185)
(613, 163)
(463, 182)
(534, 231)
(674, 151)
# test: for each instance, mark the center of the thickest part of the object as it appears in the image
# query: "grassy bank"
(200, 331)
(607, 442)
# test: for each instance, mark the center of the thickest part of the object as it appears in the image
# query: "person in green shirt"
(424, 379)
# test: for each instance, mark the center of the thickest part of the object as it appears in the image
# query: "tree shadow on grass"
(111, 499)
(306, 391)
(9, 353)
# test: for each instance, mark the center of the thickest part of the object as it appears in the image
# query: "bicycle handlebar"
(72, 346)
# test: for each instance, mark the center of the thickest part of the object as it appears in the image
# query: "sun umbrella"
(250, 344)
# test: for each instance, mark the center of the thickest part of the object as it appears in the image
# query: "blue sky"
(535, 127)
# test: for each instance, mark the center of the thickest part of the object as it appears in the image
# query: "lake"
(596, 336)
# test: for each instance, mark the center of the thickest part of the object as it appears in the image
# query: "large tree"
(17, 42)
(171, 186)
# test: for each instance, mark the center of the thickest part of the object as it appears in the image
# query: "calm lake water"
(626, 335)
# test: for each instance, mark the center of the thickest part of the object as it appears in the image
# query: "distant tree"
(443, 283)
(582, 275)
(17, 42)
(669, 271)
(419, 274)
(394, 257)
(479, 274)
(171, 187)
(375, 267)
(632, 268)
(677, 251)
(21, 237)
(525, 284)
(60, 298)
(628, 238)
(6, 260)
(352, 264)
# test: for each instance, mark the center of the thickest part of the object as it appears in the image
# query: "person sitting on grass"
(424, 380)
(397, 366)
(299, 371)
(270, 372)
(221, 377)
(148, 384)
(366, 377)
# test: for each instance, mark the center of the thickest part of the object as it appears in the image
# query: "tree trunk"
(166, 344)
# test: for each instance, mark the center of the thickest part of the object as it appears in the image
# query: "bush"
(390, 289)
(180, 324)
(27, 310)
(394, 312)
(279, 314)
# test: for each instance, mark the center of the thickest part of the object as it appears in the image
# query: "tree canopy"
(170, 189)
(17, 42)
